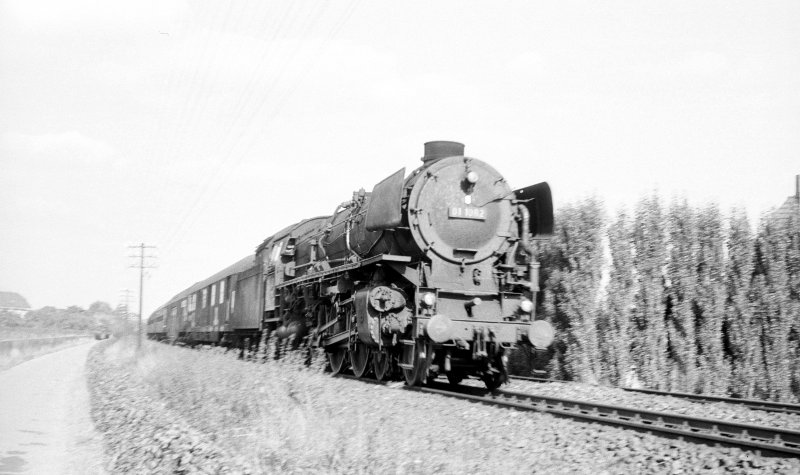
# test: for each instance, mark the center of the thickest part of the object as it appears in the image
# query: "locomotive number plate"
(460, 212)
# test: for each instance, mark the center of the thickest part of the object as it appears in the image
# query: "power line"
(142, 266)
(245, 118)
(228, 141)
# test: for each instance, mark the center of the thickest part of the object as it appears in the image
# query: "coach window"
(213, 294)
(204, 298)
(222, 291)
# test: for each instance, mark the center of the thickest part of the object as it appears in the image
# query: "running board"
(315, 276)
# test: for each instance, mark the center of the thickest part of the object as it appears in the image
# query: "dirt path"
(45, 427)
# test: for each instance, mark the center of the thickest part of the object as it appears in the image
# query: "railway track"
(750, 403)
(762, 439)
(767, 440)
(768, 406)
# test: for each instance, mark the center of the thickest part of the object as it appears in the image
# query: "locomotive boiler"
(431, 273)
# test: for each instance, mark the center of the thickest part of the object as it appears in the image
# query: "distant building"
(14, 303)
(791, 206)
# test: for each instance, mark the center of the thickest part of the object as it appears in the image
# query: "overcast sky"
(202, 127)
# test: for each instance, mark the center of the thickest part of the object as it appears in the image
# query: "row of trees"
(74, 318)
(676, 298)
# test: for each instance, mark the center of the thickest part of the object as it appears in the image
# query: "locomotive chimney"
(441, 149)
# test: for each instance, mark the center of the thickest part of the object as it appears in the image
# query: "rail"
(767, 440)
(770, 440)
(769, 406)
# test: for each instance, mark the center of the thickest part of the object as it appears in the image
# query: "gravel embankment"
(620, 397)
(139, 434)
(178, 410)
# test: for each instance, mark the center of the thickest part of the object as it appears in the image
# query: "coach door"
(172, 323)
(230, 315)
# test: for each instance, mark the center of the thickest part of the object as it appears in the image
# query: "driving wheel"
(336, 358)
(381, 363)
(359, 358)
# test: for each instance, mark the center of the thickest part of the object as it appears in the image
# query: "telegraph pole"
(141, 265)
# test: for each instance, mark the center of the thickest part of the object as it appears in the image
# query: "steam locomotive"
(430, 274)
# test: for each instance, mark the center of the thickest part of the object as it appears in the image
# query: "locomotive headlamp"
(429, 299)
(439, 328)
(472, 177)
(541, 334)
(526, 306)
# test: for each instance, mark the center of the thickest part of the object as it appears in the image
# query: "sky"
(202, 127)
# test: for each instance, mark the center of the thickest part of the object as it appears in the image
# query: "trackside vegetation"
(674, 297)
(168, 409)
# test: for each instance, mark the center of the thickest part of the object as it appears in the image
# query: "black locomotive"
(434, 273)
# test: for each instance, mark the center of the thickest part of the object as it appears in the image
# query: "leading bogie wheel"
(359, 359)
(496, 375)
(418, 355)
(493, 380)
(454, 377)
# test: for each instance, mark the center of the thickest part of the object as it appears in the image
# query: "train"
(430, 274)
